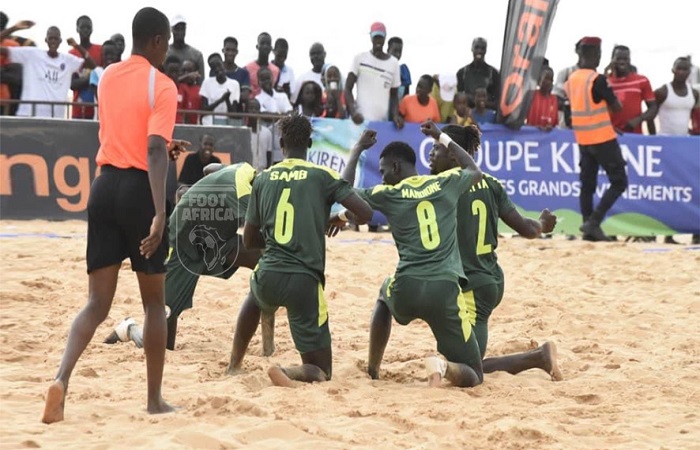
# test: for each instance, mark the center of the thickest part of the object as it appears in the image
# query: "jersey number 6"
(284, 218)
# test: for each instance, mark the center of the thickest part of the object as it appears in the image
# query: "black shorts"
(120, 213)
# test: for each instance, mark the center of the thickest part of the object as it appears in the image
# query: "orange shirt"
(412, 111)
(136, 101)
(4, 88)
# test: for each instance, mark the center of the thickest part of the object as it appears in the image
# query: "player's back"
(291, 204)
(218, 203)
(421, 211)
(478, 213)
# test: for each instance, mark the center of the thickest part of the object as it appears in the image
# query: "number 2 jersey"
(422, 213)
(478, 213)
(291, 203)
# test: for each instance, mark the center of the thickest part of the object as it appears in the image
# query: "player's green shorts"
(302, 296)
(440, 304)
(182, 274)
(480, 304)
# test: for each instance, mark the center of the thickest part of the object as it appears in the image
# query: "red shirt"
(86, 95)
(543, 110)
(631, 91)
(188, 98)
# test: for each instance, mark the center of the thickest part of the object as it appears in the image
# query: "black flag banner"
(524, 45)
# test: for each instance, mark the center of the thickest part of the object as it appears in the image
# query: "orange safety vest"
(590, 120)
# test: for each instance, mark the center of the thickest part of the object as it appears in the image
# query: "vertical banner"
(524, 45)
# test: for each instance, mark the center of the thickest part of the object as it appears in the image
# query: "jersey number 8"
(427, 223)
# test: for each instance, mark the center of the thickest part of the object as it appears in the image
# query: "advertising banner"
(524, 45)
(47, 165)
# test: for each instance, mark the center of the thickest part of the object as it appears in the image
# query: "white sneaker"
(122, 329)
(435, 364)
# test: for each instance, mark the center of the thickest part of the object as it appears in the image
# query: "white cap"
(179, 18)
(448, 86)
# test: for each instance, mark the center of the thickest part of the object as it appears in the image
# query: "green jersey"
(421, 211)
(291, 203)
(211, 211)
(478, 212)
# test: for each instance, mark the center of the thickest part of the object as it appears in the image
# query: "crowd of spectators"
(378, 86)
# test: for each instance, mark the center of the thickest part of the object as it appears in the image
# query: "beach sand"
(624, 318)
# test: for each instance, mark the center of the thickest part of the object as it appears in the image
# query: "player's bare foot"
(279, 378)
(549, 355)
(234, 370)
(55, 403)
(159, 407)
(373, 373)
(436, 369)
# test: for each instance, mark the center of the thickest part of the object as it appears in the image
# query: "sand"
(624, 318)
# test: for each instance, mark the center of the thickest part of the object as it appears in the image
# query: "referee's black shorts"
(120, 213)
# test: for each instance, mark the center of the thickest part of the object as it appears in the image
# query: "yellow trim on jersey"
(244, 180)
(416, 181)
(464, 315)
(291, 163)
(322, 306)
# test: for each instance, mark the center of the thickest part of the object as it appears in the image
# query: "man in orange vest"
(591, 97)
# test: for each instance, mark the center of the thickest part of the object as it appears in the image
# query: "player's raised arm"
(367, 140)
(465, 161)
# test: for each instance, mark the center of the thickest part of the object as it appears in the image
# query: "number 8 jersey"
(422, 214)
(291, 203)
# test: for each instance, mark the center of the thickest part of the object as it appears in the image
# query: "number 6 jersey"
(291, 203)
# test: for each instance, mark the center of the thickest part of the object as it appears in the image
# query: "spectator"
(110, 55)
(219, 94)
(46, 75)
(234, 71)
(591, 97)
(333, 94)
(677, 101)
(395, 49)
(82, 92)
(260, 138)
(544, 110)
(11, 74)
(317, 56)
(119, 41)
(264, 47)
(631, 89)
(193, 168)
(562, 77)
(286, 76)
(444, 89)
(419, 107)
(310, 100)
(478, 74)
(481, 113)
(272, 101)
(378, 77)
(462, 114)
(172, 67)
(189, 92)
(211, 62)
(183, 50)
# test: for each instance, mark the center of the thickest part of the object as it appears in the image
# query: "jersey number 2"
(479, 209)
(427, 222)
(284, 218)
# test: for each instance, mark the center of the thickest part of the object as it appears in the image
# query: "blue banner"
(540, 170)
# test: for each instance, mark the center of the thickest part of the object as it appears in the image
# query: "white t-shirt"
(260, 144)
(44, 79)
(275, 103)
(674, 112)
(212, 91)
(375, 79)
(307, 76)
(286, 76)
